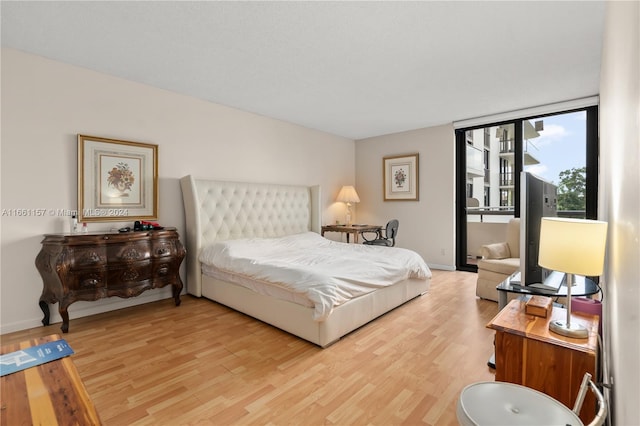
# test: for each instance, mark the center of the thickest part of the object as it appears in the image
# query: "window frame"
(591, 164)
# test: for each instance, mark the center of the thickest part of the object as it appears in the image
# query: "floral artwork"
(117, 180)
(401, 178)
(121, 177)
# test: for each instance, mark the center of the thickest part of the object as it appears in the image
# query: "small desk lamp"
(348, 195)
(572, 246)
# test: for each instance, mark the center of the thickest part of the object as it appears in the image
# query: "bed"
(223, 214)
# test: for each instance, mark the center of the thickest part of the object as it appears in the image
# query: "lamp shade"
(348, 194)
(574, 246)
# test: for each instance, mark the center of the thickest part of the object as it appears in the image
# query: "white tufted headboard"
(218, 210)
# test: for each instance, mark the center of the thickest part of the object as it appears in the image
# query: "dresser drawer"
(164, 269)
(87, 280)
(87, 256)
(125, 274)
(128, 252)
(163, 248)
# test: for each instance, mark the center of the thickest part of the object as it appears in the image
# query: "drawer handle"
(106, 237)
(161, 251)
(90, 283)
(163, 271)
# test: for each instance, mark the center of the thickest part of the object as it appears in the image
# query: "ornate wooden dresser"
(93, 266)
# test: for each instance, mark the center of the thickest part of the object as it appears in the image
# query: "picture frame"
(401, 177)
(117, 180)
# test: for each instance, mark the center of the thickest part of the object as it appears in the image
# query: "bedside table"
(527, 353)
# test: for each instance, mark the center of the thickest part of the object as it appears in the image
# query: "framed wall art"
(401, 178)
(117, 180)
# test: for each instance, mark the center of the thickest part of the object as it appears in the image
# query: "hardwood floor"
(202, 363)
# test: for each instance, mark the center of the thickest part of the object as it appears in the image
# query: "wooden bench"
(47, 394)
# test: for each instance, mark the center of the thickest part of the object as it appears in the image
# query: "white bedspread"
(327, 272)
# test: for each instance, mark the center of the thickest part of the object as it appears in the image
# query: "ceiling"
(355, 69)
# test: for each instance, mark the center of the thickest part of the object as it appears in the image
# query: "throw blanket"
(327, 272)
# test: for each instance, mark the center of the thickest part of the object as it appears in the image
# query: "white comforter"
(327, 272)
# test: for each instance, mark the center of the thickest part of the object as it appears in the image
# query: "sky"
(561, 145)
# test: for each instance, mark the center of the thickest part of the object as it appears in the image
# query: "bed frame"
(218, 210)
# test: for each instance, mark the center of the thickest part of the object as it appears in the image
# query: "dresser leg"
(45, 310)
(65, 317)
(176, 292)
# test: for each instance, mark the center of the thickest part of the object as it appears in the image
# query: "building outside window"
(557, 148)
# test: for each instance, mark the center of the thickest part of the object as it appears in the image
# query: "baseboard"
(82, 309)
(441, 267)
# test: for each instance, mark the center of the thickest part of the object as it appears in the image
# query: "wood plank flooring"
(202, 363)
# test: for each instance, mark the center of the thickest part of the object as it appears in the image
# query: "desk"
(47, 394)
(356, 230)
(528, 354)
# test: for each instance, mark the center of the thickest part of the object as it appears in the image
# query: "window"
(562, 148)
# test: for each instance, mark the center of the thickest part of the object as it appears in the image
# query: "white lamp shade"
(574, 246)
(348, 194)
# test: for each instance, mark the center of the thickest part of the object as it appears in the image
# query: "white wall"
(45, 104)
(620, 192)
(427, 225)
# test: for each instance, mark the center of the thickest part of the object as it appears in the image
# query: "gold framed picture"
(401, 177)
(117, 180)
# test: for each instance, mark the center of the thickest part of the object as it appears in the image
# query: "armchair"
(499, 261)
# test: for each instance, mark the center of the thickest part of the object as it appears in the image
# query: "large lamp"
(348, 195)
(572, 246)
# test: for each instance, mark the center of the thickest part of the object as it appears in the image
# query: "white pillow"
(496, 251)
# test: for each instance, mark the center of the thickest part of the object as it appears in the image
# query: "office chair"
(389, 238)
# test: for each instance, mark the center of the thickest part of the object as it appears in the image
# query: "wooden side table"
(356, 230)
(47, 394)
(527, 353)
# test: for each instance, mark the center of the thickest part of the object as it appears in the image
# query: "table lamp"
(348, 195)
(572, 246)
